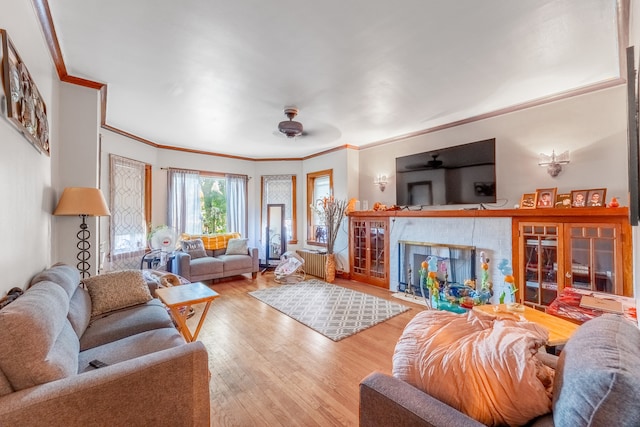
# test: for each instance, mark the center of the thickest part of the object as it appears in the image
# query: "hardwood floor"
(270, 370)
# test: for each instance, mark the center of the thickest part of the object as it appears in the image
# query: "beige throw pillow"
(194, 247)
(237, 247)
(116, 290)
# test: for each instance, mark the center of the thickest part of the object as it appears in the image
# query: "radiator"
(313, 262)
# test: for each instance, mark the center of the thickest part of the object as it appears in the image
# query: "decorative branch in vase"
(331, 212)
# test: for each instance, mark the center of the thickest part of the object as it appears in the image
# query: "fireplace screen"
(455, 263)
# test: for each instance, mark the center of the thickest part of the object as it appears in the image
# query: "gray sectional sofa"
(49, 336)
(597, 383)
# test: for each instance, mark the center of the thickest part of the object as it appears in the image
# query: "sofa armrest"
(388, 401)
(168, 387)
(181, 265)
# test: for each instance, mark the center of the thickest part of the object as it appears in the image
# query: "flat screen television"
(462, 174)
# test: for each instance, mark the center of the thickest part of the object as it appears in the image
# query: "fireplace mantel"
(500, 213)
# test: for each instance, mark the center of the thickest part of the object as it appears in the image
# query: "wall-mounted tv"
(462, 174)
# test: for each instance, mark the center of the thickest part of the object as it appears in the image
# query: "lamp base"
(84, 245)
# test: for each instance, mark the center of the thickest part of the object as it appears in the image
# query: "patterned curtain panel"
(183, 201)
(128, 237)
(237, 204)
(277, 189)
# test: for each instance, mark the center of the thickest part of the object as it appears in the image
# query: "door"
(540, 245)
(594, 257)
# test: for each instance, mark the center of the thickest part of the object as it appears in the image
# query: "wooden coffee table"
(177, 297)
(560, 330)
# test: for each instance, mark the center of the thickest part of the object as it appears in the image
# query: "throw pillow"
(38, 342)
(477, 364)
(598, 375)
(120, 289)
(194, 247)
(237, 247)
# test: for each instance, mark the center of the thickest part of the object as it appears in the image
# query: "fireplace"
(455, 263)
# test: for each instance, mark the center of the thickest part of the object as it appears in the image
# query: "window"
(207, 202)
(213, 202)
(280, 189)
(130, 201)
(319, 185)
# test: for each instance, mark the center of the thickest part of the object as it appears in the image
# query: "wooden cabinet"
(584, 252)
(369, 250)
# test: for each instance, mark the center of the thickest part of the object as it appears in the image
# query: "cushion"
(212, 241)
(38, 342)
(80, 311)
(112, 291)
(477, 364)
(64, 275)
(194, 247)
(131, 347)
(237, 247)
(598, 375)
(126, 322)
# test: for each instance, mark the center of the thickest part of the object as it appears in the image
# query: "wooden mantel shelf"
(547, 213)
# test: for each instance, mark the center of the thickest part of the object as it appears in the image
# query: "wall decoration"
(563, 200)
(546, 198)
(596, 197)
(22, 103)
(528, 200)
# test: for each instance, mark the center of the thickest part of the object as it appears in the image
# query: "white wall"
(77, 166)
(25, 175)
(592, 127)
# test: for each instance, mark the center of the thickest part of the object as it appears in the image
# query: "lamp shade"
(82, 201)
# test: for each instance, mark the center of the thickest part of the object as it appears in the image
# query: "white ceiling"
(216, 75)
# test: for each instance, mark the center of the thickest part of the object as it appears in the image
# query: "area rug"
(331, 310)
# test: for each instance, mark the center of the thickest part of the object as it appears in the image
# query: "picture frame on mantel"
(22, 104)
(546, 198)
(529, 201)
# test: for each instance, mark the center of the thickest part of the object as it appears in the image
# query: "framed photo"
(579, 198)
(22, 103)
(596, 197)
(546, 198)
(563, 200)
(528, 201)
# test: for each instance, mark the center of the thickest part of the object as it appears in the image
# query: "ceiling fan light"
(290, 128)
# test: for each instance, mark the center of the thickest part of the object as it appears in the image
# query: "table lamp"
(83, 202)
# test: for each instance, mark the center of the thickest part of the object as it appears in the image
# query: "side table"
(176, 297)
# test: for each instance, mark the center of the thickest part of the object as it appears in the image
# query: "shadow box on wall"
(21, 102)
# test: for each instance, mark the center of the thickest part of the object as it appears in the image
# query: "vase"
(330, 268)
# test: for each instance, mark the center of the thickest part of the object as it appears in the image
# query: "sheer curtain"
(183, 201)
(237, 203)
(128, 236)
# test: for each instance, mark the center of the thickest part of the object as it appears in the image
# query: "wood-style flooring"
(270, 370)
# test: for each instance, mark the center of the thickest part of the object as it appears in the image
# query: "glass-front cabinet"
(540, 262)
(369, 250)
(569, 252)
(594, 257)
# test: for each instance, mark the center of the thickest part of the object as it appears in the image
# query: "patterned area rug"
(334, 311)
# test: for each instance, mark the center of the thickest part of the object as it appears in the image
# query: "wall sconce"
(554, 163)
(381, 181)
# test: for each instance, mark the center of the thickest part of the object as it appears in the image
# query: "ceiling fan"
(290, 127)
(435, 163)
